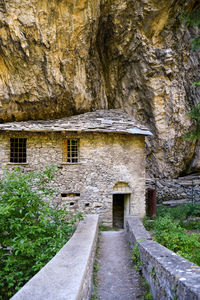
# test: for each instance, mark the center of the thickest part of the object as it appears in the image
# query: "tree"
(31, 229)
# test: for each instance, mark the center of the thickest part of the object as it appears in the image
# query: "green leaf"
(196, 83)
(31, 230)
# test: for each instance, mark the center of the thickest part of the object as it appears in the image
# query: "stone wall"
(105, 159)
(68, 275)
(169, 275)
(180, 190)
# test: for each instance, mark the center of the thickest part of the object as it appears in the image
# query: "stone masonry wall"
(179, 190)
(169, 275)
(105, 159)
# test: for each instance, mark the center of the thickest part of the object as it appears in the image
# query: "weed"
(148, 296)
(95, 271)
(153, 273)
(105, 228)
(145, 284)
(136, 258)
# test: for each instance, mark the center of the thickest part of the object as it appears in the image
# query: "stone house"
(100, 155)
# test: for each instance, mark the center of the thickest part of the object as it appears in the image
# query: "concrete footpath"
(117, 278)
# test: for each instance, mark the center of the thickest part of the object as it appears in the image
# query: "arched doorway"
(121, 203)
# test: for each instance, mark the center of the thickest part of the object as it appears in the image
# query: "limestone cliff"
(64, 57)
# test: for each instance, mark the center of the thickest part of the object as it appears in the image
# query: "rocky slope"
(64, 57)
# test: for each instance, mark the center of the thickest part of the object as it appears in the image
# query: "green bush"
(184, 214)
(169, 229)
(180, 212)
(31, 229)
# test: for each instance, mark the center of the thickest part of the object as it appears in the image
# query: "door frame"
(126, 212)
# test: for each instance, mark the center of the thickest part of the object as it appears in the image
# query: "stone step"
(175, 202)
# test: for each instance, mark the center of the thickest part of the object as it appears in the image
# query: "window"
(18, 150)
(71, 151)
(70, 194)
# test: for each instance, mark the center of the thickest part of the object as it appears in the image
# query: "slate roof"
(112, 120)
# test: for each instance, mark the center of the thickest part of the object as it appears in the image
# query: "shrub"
(180, 212)
(169, 230)
(31, 229)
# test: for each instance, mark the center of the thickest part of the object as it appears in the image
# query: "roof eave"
(146, 133)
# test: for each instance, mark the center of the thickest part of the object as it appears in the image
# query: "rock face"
(64, 57)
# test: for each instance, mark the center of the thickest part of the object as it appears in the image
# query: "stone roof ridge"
(113, 120)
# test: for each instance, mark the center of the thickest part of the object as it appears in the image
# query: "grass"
(108, 228)
(95, 271)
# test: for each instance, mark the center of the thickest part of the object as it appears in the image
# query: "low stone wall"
(68, 275)
(182, 189)
(169, 275)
